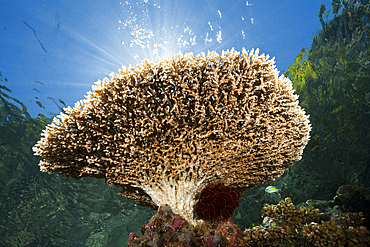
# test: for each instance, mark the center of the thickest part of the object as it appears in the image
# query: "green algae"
(332, 79)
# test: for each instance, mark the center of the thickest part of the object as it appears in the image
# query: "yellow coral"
(286, 212)
(325, 234)
(294, 228)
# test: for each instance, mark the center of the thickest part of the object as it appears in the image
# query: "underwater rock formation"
(165, 130)
(354, 198)
(169, 229)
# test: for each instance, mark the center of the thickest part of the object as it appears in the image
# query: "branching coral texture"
(288, 226)
(166, 129)
(286, 212)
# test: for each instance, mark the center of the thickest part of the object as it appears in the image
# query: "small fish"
(272, 189)
(336, 1)
(62, 102)
(39, 104)
(34, 89)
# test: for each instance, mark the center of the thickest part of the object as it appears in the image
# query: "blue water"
(68, 45)
(51, 54)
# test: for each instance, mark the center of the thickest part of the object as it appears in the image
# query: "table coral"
(165, 130)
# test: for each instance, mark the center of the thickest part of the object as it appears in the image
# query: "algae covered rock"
(169, 229)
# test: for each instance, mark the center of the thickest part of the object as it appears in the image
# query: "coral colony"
(184, 135)
(284, 225)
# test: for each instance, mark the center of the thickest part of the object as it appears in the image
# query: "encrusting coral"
(165, 130)
(284, 225)
(169, 229)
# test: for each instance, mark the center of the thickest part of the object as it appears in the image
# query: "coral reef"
(284, 225)
(354, 198)
(287, 213)
(169, 229)
(350, 198)
(332, 81)
(165, 130)
(163, 229)
(217, 201)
